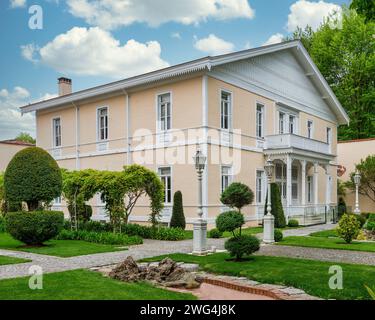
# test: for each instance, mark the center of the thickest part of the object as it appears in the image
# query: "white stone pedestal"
(200, 237)
(268, 228)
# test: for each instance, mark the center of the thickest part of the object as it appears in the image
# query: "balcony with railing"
(285, 141)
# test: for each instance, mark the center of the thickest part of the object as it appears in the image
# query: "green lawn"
(327, 243)
(11, 260)
(309, 275)
(84, 285)
(59, 248)
(325, 234)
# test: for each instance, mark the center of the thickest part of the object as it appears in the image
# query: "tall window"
(309, 189)
(103, 123)
(259, 120)
(57, 132)
(226, 110)
(281, 122)
(226, 177)
(164, 112)
(294, 182)
(329, 136)
(292, 124)
(166, 179)
(281, 178)
(259, 187)
(310, 128)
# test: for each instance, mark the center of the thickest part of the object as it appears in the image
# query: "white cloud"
(93, 51)
(176, 35)
(29, 51)
(275, 38)
(213, 45)
(303, 13)
(11, 120)
(17, 3)
(248, 45)
(111, 14)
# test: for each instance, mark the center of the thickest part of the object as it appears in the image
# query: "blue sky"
(93, 43)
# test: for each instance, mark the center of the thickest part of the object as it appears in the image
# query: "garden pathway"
(152, 248)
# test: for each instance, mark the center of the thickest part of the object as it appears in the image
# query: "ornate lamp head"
(269, 166)
(199, 160)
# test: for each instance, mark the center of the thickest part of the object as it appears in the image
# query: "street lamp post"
(200, 225)
(269, 220)
(357, 181)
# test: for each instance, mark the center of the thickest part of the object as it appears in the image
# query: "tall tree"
(25, 137)
(344, 51)
(365, 8)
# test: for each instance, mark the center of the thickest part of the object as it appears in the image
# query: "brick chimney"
(65, 86)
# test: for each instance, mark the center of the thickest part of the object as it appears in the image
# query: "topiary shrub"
(361, 219)
(32, 176)
(242, 245)
(215, 233)
(230, 221)
(348, 228)
(237, 195)
(276, 206)
(34, 228)
(84, 211)
(292, 223)
(278, 235)
(178, 217)
(341, 207)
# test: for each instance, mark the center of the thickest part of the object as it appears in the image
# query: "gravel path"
(152, 248)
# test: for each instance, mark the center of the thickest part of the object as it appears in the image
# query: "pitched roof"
(203, 64)
(18, 143)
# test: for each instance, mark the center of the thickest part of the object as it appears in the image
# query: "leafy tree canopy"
(365, 8)
(25, 137)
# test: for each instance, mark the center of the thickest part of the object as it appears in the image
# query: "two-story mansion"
(241, 108)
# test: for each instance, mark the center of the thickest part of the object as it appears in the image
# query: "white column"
(303, 183)
(288, 184)
(205, 142)
(316, 184)
(328, 189)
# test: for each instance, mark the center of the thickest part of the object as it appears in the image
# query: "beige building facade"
(349, 154)
(8, 148)
(239, 109)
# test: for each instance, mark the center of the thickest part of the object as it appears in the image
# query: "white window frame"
(329, 137)
(310, 189)
(261, 118)
(294, 131)
(228, 176)
(54, 145)
(260, 190)
(169, 107)
(310, 129)
(229, 108)
(282, 117)
(98, 128)
(281, 181)
(57, 201)
(164, 179)
(295, 183)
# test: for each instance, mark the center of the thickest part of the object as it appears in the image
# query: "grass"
(327, 243)
(59, 248)
(84, 285)
(11, 260)
(309, 275)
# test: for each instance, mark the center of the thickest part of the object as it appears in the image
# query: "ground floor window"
(226, 177)
(166, 178)
(259, 186)
(309, 189)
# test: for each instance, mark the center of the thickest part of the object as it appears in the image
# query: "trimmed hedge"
(36, 227)
(278, 235)
(292, 223)
(100, 237)
(34, 177)
(178, 217)
(276, 206)
(215, 234)
(242, 245)
(230, 221)
(237, 195)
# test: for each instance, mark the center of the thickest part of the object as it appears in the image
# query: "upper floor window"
(57, 132)
(226, 177)
(329, 135)
(166, 178)
(292, 124)
(226, 110)
(103, 124)
(310, 129)
(281, 122)
(164, 112)
(259, 121)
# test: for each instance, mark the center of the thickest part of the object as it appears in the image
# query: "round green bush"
(293, 223)
(215, 233)
(361, 219)
(229, 221)
(32, 176)
(348, 227)
(36, 227)
(242, 245)
(237, 195)
(278, 235)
